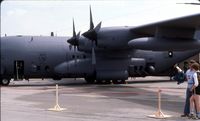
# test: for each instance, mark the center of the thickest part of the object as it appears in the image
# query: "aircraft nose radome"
(61, 68)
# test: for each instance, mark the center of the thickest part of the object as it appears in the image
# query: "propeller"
(91, 34)
(74, 41)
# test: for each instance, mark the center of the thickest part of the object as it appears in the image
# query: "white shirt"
(196, 82)
(191, 78)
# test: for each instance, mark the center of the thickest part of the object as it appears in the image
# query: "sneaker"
(198, 115)
(192, 116)
(185, 115)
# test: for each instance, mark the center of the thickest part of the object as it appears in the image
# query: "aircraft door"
(18, 69)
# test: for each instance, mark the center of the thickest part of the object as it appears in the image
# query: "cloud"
(16, 12)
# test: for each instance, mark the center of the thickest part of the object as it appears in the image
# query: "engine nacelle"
(107, 39)
(84, 44)
(114, 39)
(164, 44)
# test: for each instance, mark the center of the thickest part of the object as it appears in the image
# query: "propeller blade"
(75, 60)
(75, 55)
(78, 35)
(91, 21)
(93, 55)
(97, 28)
(74, 31)
(92, 32)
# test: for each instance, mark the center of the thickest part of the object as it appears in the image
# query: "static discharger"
(56, 107)
(159, 114)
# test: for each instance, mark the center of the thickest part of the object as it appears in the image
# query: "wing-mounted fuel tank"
(75, 68)
(163, 44)
(139, 67)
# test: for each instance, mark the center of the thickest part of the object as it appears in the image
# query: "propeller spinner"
(91, 34)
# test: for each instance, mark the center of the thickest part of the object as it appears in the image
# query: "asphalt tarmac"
(30, 101)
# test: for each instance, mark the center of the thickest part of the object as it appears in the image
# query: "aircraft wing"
(182, 27)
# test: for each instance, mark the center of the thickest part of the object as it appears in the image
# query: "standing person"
(179, 76)
(185, 66)
(189, 75)
(195, 89)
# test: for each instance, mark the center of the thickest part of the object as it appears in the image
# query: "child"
(195, 89)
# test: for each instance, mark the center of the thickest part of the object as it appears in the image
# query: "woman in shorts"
(194, 99)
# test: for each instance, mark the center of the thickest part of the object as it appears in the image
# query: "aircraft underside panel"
(112, 75)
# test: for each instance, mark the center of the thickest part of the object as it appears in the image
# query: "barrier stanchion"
(159, 114)
(56, 107)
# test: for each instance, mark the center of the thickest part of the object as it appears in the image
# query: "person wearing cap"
(189, 74)
(194, 88)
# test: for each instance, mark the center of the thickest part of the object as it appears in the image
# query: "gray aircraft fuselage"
(53, 57)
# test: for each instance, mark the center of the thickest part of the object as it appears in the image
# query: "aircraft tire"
(108, 82)
(105, 81)
(5, 82)
(99, 82)
(89, 80)
(118, 81)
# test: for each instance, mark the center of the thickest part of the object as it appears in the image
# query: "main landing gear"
(90, 80)
(4, 81)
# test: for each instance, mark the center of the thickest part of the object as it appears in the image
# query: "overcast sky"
(42, 17)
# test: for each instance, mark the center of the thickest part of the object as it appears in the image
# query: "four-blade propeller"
(91, 34)
(75, 38)
(74, 41)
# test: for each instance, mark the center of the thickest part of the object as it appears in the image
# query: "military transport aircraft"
(102, 54)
